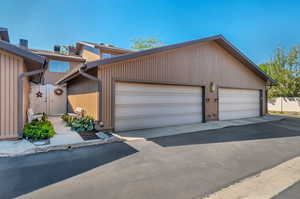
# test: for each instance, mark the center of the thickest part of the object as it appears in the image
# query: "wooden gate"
(48, 99)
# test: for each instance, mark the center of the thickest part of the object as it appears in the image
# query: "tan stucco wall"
(89, 56)
(83, 92)
(10, 68)
(197, 64)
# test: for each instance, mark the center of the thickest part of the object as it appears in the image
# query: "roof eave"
(27, 54)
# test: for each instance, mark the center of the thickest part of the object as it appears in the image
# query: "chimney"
(23, 43)
(72, 50)
(56, 48)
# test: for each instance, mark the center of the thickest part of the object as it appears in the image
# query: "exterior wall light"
(212, 87)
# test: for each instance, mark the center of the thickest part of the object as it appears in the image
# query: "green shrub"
(38, 130)
(65, 117)
(82, 124)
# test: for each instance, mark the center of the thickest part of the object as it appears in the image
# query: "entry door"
(140, 106)
(238, 103)
(43, 99)
(57, 104)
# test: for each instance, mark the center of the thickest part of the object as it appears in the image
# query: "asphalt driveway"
(181, 166)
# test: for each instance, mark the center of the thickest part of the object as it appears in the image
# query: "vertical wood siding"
(197, 64)
(10, 67)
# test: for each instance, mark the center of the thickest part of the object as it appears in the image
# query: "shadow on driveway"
(279, 129)
(25, 174)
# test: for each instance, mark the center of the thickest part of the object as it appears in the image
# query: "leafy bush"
(67, 118)
(83, 124)
(38, 130)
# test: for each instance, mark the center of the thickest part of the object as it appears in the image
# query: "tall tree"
(145, 43)
(284, 68)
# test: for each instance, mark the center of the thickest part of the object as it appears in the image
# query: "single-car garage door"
(238, 103)
(139, 105)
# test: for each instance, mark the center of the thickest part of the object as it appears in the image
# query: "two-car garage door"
(238, 103)
(139, 106)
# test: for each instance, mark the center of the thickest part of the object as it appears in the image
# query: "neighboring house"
(18, 66)
(190, 82)
(93, 51)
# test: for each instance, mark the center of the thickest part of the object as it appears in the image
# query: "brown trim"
(156, 82)
(261, 101)
(230, 87)
(266, 100)
(203, 104)
(113, 94)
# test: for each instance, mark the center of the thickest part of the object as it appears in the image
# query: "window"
(59, 66)
(105, 55)
(91, 49)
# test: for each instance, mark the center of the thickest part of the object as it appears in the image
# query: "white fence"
(284, 104)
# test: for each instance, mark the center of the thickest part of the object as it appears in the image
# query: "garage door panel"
(139, 106)
(168, 99)
(158, 121)
(238, 103)
(238, 107)
(157, 110)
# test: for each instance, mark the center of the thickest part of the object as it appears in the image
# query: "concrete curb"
(43, 149)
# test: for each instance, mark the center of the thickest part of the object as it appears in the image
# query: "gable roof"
(219, 39)
(25, 53)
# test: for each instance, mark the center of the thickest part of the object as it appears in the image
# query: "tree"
(145, 43)
(284, 68)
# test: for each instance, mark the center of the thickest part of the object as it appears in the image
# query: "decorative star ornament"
(39, 94)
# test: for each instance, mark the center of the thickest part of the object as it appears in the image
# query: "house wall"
(83, 92)
(10, 68)
(198, 64)
(89, 56)
(52, 77)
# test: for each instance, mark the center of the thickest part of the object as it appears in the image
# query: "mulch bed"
(88, 135)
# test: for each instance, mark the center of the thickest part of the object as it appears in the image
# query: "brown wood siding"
(83, 92)
(10, 68)
(197, 64)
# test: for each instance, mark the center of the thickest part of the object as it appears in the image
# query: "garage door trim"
(116, 80)
(245, 88)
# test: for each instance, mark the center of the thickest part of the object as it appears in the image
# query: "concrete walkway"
(64, 139)
(190, 128)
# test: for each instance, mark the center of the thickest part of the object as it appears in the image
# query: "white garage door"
(139, 106)
(238, 103)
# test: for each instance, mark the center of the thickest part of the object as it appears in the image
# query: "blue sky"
(255, 27)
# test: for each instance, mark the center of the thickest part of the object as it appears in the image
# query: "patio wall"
(284, 104)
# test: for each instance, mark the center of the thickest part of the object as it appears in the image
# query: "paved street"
(292, 192)
(182, 166)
